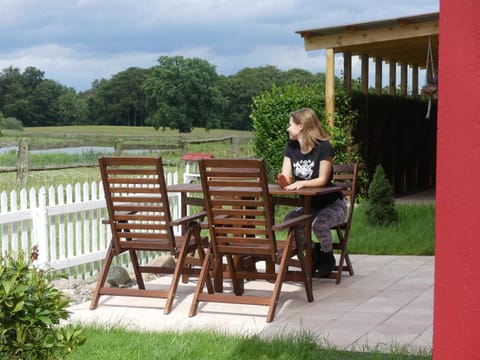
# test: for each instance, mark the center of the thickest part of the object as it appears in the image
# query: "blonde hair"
(312, 129)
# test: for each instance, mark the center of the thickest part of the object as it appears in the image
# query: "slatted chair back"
(137, 203)
(242, 227)
(140, 220)
(240, 221)
(345, 175)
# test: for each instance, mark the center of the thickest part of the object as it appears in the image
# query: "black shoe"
(326, 266)
(316, 258)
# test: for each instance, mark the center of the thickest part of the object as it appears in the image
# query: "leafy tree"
(31, 78)
(302, 77)
(72, 108)
(44, 103)
(97, 105)
(240, 89)
(129, 93)
(120, 100)
(183, 93)
(12, 93)
(29, 97)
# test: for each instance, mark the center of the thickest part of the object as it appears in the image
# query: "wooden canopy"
(402, 40)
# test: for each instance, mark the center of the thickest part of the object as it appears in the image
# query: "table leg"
(307, 209)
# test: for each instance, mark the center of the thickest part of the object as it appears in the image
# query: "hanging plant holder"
(431, 82)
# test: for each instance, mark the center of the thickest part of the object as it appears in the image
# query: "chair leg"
(280, 278)
(196, 231)
(102, 277)
(338, 274)
(306, 268)
(349, 264)
(204, 276)
(236, 285)
(177, 272)
(344, 264)
(136, 269)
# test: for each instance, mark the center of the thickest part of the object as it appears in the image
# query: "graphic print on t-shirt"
(303, 169)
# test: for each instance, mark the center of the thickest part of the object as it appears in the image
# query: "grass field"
(63, 136)
(117, 343)
(159, 143)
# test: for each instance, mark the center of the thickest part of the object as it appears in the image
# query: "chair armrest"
(287, 224)
(189, 218)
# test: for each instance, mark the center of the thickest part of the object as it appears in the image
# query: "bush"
(11, 123)
(271, 113)
(380, 210)
(30, 312)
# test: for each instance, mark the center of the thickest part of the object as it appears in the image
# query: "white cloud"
(78, 41)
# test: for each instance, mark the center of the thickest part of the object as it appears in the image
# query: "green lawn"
(118, 344)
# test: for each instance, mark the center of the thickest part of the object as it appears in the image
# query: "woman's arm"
(285, 177)
(322, 179)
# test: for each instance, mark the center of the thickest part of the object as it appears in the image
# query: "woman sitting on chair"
(308, 158)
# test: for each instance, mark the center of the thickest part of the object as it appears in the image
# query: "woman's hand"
(297, 185)
(283, 181)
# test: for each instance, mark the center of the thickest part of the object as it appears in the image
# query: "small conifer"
(381, 203)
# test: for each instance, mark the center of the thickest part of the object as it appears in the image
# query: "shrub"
(380, 207)
(270, 115)
(30, 312)
(271, 112)
(12, 123)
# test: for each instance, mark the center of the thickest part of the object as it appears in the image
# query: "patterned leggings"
(323, 220)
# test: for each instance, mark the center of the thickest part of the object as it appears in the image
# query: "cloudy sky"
(77, 41)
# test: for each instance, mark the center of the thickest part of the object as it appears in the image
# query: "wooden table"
(300, 197)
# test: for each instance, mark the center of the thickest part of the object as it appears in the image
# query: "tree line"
(177, 93)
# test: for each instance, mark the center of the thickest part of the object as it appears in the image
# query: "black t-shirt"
(307, 166)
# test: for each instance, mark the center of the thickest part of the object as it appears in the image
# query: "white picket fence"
(65, 224)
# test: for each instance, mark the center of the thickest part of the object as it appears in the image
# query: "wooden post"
(347, 72)
(392, 85)
(22, 162)
(378, 75)
(118, 147)
(234, 141)
(330, 88)
(183, 145)
(403, 79)
(414, 80)
(364, 76)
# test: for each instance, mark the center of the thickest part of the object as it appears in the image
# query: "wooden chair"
(241, 224)
(140, 220)
(344, 175)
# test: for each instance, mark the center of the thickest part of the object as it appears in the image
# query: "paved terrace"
(387, 303)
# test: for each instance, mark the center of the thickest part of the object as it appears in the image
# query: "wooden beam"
(365, 36)
(330, 88)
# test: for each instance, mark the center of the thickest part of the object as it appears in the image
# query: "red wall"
(457, 255)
